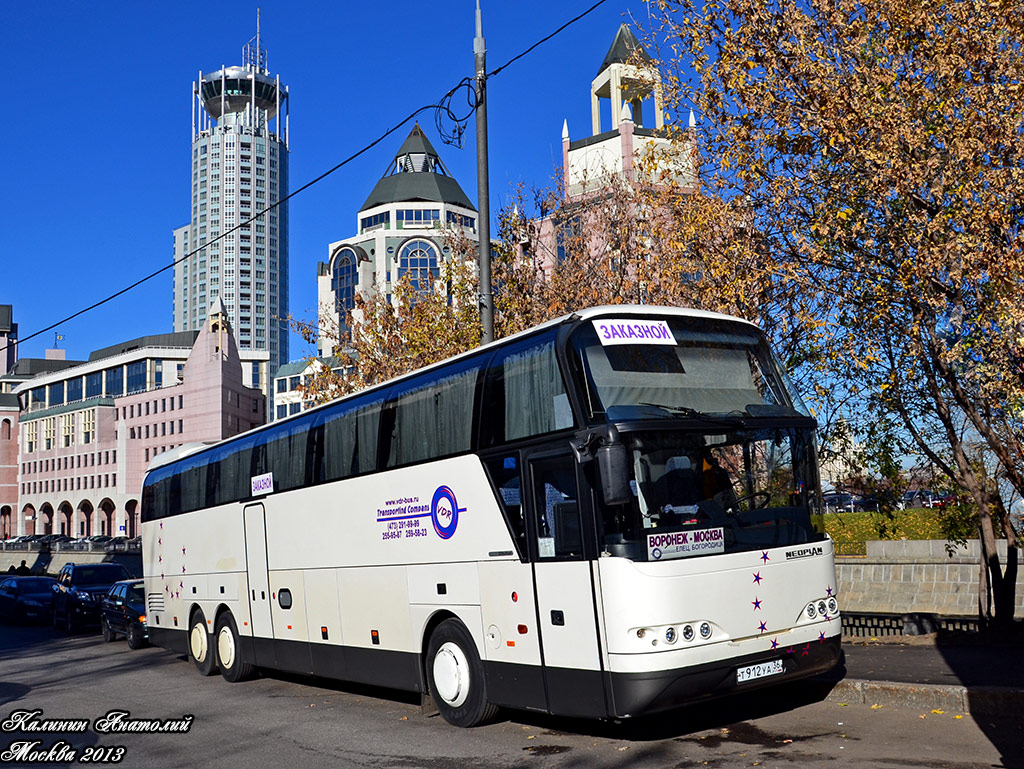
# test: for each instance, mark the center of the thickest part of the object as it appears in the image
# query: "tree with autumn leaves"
(859, 197)
(877, 148)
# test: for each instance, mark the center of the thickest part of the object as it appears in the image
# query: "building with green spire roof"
(401, 229)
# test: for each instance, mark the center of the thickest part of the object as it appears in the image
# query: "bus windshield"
(727, 491)
(637, 368)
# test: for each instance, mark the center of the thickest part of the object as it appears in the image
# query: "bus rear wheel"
(232, 666)
(199, 649)
(455, 676)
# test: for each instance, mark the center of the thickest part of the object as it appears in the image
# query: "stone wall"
(909, 576)
(46, 562)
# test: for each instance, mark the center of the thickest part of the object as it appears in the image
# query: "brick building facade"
(86, 433)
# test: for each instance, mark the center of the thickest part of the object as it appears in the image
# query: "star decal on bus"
(763, 627)
(828, 591)
(756, 603)
(821, 637)
(757, 578)
(764, 556)
(806, 651)
(775, 644)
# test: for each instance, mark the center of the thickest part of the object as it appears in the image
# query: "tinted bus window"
(235, 470)
(433, 417)
(349, 435)
(524, 394)
(284, 453)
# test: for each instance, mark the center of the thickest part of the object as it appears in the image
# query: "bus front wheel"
(456, 676)
(232, 666)
(199, 649)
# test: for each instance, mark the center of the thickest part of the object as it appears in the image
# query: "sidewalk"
(957, 673)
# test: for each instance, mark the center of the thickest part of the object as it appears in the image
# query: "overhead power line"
(442, 110)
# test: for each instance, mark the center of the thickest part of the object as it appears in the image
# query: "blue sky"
(96, 135)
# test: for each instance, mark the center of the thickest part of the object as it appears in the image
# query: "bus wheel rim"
(451, 674)
(198, 642)
(226, 647)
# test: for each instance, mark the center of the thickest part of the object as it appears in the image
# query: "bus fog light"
(688, 633)
(670, 635)
(833, 606)
(705, 630)
(811, 611)
(641, 633)
(822, 610)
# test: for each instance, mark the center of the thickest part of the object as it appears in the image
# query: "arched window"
(343, 281)
(419, 258)
(5, 430)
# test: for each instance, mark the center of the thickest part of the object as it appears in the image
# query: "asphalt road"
(286, 722)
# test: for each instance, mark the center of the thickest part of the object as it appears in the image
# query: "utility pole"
(482, 184)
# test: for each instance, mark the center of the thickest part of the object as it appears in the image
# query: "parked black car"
(53, 540)
(838, 502)
(26, 599)
(865, 503)
(124, 612)
(80, 589)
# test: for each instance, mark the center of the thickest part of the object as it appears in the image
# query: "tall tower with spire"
(239, 168)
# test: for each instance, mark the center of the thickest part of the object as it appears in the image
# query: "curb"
(952, 699)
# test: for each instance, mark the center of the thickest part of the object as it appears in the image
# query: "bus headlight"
(811, 611)
(705, 630)
(670, 635)
(833, 606)
(822, 609)
(688, 633)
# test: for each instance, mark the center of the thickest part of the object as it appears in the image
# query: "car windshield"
(33, 585)
(741, 490)
(98, 574)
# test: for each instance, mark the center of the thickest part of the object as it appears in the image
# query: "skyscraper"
(239, 168)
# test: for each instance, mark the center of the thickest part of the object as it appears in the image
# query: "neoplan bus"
(605, 516)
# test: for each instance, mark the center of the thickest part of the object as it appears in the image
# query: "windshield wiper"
(686, 411)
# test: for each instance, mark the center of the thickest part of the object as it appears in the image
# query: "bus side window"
(504, 472)
(524, 394)
(556, 507)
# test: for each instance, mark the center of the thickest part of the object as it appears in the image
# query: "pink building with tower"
(87, 430)
(635, 147)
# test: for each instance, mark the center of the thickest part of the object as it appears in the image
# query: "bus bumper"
(635, 694)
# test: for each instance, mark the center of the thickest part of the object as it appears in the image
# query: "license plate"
(760, 670)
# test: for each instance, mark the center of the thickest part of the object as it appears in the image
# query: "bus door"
(259, 584)
(564, 588)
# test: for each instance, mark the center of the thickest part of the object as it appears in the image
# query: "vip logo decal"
(444, 512)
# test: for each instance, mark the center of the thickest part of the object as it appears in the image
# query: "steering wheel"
(762, 495)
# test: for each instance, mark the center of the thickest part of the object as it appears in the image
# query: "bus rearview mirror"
(613, 467)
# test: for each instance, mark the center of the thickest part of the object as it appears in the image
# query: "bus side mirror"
(613, 467)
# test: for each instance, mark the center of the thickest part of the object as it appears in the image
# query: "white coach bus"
(604, 516)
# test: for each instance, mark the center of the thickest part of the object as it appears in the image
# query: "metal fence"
(864, 625)
(75, 546)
